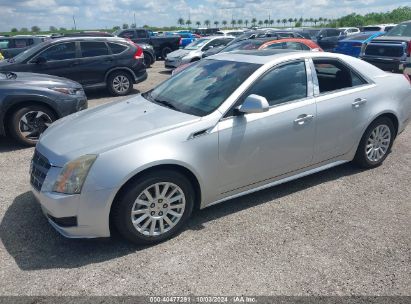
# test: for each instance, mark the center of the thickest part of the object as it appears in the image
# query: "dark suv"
(11, 46)
(92, 61)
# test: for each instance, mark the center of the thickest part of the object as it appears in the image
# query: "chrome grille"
(38, 170)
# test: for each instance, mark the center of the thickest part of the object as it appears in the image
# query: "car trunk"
(387, 48)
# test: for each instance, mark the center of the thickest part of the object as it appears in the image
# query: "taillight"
(139, 53)
(180, 42)
(408, 77)
(409, 49)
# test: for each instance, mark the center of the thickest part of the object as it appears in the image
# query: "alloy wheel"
(121, 84)
(378, 143)
(33, 123)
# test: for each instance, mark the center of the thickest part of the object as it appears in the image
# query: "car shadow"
(34, 244)
(7, 144)
(165, 72)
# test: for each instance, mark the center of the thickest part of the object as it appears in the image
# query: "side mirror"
(254, 104)
(40, 60)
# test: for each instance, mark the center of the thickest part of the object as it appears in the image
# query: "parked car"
(194, 50)
(377, 28)
(94, 62)
(162, 45)
(268, 43)
(149, 54)
(186, 39)
(391, 52)
(12, 46)
(352, 45)
(226, 126)
(88, 34)
(348, 31)
(307, 32)
(203, 32)
(328, 38)
(29, 103)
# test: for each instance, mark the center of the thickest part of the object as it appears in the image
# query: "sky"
(92, 14)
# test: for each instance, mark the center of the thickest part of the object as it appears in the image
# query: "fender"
(120, 69)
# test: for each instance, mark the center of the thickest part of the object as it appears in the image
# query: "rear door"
(95, 60)
(61, 60)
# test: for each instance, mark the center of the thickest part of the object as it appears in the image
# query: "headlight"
(68, 91)
(73, 175)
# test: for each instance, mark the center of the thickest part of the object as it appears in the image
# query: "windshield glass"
(195, 45)
(402, 30)
(202, 87)
(244, 45)
(28, 53)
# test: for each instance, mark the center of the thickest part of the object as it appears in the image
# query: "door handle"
(302, 119)
(358, 102)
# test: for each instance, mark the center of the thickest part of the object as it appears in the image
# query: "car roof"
(65, 39)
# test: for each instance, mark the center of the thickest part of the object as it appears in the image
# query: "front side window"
(202, 87)
(93, 49)
(333, 75)
(60, 51)
(285, 83)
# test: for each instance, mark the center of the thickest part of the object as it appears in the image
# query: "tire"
(165, 51)
(119, 83)
(378, 139)
(155, 209)
(148, 60)
(27, 123)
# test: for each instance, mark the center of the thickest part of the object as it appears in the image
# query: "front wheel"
(154, 207)
(376, 143)
(27, 123)
(119, 83)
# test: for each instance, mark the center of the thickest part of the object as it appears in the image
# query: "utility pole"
(74, 20)
(135, 24)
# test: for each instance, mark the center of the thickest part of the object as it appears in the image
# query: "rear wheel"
(148, 60)
(27, 123)
(376, 143)
(154, 207)
(165, 51)
(119, 83)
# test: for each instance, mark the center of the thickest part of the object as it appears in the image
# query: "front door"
(254, 148)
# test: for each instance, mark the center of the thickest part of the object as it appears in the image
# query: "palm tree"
(180, 21)
(224, 23)
(321, 20)
(315, 21)
(246, 23)
(271, 22)
(198, 23)
(207, 23)
(325, 20)
(260, 22)
(266, 22)
(311, 20)
(253, 21)
(306, 20)
(301, 20)
(240, 22)
(295, 21)
(278, 21)
(188, 23)
(233, 22)
(290, 20)
(216, 23)
(284, 21)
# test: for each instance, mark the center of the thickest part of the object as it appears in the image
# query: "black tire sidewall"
(147, 57)
(110, 83)
(165, 51)
(122, 218)
(361, 155)
(14, 120)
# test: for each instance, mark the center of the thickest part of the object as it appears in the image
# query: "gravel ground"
(339, 232)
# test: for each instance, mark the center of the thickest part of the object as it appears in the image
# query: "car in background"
(12, 46)
(194, 51)
(186, 39)
(377, 28)
(308, 33)
(29, 103)
(391, 52)
(328, 38)
(203, 32)
(227, 126)
(348, 31)
(162, 44)
(94, 62)
(149, 54)
(352, 45)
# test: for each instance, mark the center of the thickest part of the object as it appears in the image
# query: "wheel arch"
(118, 69)
(173, 167)
(391, 115)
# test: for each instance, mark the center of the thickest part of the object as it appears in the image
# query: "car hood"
(106, 127)
(179, 53)
(41, 80)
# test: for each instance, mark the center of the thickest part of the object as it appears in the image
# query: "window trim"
(118, 43)
(30, 61)
(317, 92)
(80, 51)
(310, 95)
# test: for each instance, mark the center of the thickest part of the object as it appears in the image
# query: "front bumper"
(172, 63)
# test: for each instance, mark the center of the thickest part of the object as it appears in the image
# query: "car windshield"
(195, 45)
(401, 30)
(28, 53)
(244, 45)
(202, 87)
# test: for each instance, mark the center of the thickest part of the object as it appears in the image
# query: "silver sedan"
(228, 125)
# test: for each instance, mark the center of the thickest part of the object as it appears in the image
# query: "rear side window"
(22, 43)
(5, 44)
(285, 83)
(93, 49)
(60, 51)
(117, 48)
(333, 75)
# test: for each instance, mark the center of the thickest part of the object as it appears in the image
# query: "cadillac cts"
(228, 125)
